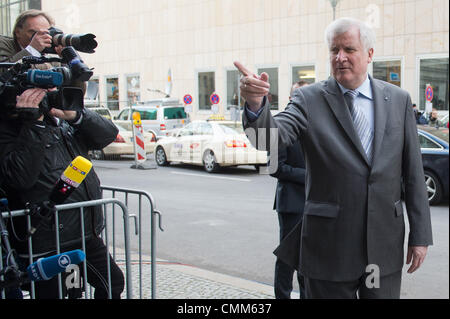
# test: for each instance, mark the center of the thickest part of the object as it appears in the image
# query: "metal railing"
(138, 227)
(109, 235)
(81, 206)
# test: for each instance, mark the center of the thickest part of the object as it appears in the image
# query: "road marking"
(211, 222)
(217, 177)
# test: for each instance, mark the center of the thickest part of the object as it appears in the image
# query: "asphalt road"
(224, 222)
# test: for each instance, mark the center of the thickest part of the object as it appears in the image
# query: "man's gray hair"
(32, 13)
(342, 25)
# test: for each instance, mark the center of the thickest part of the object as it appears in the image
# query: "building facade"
(198, 40)
(10, 9)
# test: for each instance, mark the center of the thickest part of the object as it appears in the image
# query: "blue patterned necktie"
(360, 123)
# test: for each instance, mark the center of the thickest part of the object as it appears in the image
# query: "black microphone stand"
(13, 277)
(44, 211)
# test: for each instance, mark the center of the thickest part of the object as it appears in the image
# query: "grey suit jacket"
(353, 214)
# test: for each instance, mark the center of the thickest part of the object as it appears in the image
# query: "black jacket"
(33, 157)
(290, 194)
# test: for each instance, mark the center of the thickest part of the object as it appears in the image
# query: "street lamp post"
(334, 4)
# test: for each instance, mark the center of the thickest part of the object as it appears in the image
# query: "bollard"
(140, 156)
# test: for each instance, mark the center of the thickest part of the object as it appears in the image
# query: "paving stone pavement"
(176, 281)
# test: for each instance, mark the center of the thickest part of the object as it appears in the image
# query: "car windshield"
(237, 127)
(441, 133)
(102, 111)
(171, 113)
(147, 114)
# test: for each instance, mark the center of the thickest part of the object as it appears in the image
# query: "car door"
(203, 133)
(181, 148)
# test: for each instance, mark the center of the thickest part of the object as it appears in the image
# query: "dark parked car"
(434, 145)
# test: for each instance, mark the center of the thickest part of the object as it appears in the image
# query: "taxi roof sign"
(216, 117)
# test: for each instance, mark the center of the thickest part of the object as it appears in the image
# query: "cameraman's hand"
(41, 40)
(63, 115)
(59, 49)
(31, 99)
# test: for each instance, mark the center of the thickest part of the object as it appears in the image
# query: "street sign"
(215, 99)
(429, 93)
(187, 99)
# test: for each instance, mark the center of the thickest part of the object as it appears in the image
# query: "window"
(233, 90)
(123, 116)
(228, 130)
(303, 73)
(147, 114)
(389, 71)
(188, 130)
(203, 129)
(273, 80)
(427, 143)
(103, 112)
(133, 89)
(206, 87)
(92, 89)
(236, 126)
(171, 113)
(112, 89)
(435, 73)
(10, 10)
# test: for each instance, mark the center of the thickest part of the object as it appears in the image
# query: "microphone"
(70, 179)
(45, 78)
(47, 268)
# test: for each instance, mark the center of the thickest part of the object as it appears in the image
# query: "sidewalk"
(176, 281)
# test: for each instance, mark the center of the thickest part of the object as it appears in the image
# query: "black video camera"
(21, 76)
(81, 42)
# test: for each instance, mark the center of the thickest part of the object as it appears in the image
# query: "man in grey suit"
(360, 141)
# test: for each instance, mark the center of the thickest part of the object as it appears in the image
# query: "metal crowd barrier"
(109, 231)
(139, 221)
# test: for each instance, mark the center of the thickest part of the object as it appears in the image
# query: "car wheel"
(160, 157)
(434, 188)
(98, 155)
(210, 162)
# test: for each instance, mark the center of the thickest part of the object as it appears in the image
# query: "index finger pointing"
(242, 69)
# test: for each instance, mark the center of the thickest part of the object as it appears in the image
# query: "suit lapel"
(382, 102)
(332, 93)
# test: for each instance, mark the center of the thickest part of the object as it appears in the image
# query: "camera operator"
(33, 155)
(30, 36)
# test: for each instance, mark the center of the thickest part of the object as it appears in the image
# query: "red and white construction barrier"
(139, 144)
